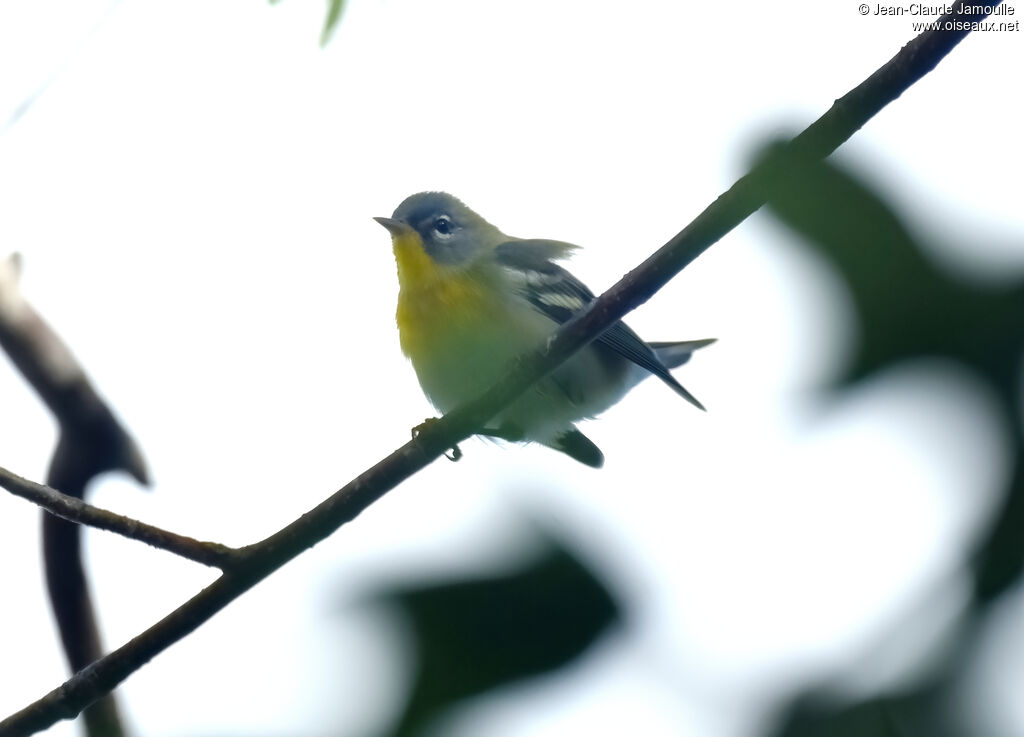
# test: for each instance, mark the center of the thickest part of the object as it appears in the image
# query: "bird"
(471, 299)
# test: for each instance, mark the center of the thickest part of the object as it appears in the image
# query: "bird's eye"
(443, 225)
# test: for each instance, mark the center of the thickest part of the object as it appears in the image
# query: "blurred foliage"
(914, 713)
(907, 307)
(472, 636)
(334, 10)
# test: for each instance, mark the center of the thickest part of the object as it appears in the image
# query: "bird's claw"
(453, 455)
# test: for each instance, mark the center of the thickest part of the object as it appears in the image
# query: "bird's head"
(438, 226)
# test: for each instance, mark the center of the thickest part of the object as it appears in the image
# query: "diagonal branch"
(257, 561)
(76, 510)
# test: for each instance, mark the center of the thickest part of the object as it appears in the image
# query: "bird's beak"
(395, 227)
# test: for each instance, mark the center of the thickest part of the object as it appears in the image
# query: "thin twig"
(257, 561)
(75, 510)
(25, 105)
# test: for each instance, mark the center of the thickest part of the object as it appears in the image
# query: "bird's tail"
(676, 353)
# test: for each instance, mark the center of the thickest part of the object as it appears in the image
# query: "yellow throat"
(434, 300)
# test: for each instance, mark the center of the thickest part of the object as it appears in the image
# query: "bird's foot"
(453, 455)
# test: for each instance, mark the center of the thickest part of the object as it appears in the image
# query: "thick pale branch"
(75, 510)
(257, 561)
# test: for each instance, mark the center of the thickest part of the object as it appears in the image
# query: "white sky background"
(192, 197)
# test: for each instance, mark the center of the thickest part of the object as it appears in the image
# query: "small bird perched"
(472, 298)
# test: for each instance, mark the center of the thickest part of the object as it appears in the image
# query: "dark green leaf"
(906, 306)
(913, 714)
(472, 636)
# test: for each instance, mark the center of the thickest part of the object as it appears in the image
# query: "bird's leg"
(452, 455)
(507, 432)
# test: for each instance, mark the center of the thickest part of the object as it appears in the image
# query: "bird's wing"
(528, 265)
(558, 294)
(534, 252)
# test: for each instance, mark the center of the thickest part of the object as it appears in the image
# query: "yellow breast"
(436, 304)
(460, 330)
